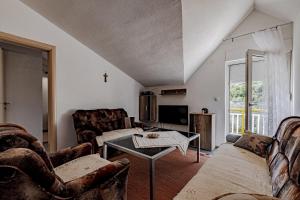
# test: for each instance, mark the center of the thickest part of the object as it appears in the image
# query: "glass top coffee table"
(125, 144)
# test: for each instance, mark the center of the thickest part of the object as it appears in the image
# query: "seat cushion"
(80, 167)
(230, 170)
(111, 135)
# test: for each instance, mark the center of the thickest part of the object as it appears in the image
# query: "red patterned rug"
(173, 171)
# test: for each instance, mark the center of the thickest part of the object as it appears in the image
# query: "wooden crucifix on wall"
(105, 75)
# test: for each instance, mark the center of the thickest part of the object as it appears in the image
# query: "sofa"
(99, 125)
(234, 173)
(28, 172)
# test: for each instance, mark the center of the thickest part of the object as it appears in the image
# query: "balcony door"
(246, 94)
(256, 113)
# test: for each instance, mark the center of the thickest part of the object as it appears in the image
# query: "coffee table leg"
(105, 151)
(152, 179)
(198, 149)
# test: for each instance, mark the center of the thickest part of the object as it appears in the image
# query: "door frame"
(249, 63)
(51, 50)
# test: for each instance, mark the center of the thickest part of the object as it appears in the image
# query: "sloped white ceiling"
(205, 24)
(157, 42)
(283, 9)
(143, 38)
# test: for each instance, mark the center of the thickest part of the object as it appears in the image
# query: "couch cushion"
(230, 170)
(285, 131)
(272, 152)
(31, 164)
(99, 120)
(80, 167)
(284, 159)
(279, 175)
(285, 128)
(292, 152)
(290, 191)
(21, 139)
(257, 144)
(111, 135)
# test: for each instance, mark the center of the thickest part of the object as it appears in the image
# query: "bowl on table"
(152, 135)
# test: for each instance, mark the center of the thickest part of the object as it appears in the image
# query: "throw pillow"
(232, 138)
(257, 144)
(242, 196)
(127, 122)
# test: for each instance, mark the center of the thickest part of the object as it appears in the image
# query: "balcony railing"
(237, 121)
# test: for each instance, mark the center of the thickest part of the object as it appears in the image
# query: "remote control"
(138, 135)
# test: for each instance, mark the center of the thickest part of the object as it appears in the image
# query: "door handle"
(5, 104)
(252, 104)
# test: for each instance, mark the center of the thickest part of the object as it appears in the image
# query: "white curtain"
(276, 81)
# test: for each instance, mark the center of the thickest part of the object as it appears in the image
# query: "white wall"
(296, 66)
(79, 80)
(206, 88)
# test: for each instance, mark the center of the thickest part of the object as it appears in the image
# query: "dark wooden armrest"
(70, 153)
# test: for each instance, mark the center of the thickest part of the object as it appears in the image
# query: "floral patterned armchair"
(28, 172)
(89, 124)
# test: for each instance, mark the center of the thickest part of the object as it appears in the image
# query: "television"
(173, 114)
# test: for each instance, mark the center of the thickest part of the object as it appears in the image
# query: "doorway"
(47, 60)
(245, 93)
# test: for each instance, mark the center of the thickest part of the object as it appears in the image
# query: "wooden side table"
(205, 125)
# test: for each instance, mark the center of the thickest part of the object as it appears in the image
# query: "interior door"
(23, 90)
(2, 98)
(256, 112)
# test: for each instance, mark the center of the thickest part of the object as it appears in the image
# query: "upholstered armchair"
(89, 124)
(28, 172)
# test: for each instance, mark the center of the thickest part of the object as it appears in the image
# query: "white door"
(2, 99)
(237, 96)
(256, 111)
(23, 91)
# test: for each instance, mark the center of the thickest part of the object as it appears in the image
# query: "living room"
(179, 81)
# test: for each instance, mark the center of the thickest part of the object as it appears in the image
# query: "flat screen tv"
(173, 114)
